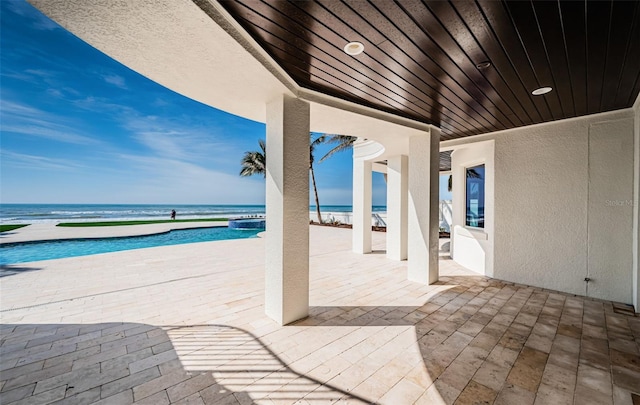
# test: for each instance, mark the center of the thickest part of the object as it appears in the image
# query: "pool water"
(11, 253)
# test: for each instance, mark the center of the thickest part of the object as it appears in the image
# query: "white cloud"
(39, 20)
(23, 119)
(175, 140)
(116, 80)
(24, 161)
(173, 181)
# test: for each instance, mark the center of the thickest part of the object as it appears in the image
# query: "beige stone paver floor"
(185, 325)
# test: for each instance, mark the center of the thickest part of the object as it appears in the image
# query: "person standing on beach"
(173, 214)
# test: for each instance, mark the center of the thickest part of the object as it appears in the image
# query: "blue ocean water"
(34, 213)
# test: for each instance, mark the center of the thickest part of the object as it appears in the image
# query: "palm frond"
(344, 142)
(255, 162)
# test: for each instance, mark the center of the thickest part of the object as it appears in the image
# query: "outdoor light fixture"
(483, 65)
(353, 48)
(541, 91)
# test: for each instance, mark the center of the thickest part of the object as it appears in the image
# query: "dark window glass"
(475, 196)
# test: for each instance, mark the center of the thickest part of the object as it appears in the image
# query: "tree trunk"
(315, 192)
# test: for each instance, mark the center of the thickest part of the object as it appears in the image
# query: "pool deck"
(185, 324)
(49, 231)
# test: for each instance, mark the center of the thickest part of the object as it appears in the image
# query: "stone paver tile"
(190, 386)
(130, 381)
(16, 372)
(81, 398)
(71, 332)
(404, 392)
(475, 393)
(622, 396)
(624, 345)
(161, 398)
(491, 375)
(548, 395)
(152, 361)
(16, 352)
(587, 396)
(513, 394)
(98, 357)
(569, 330)
(161, 383)
(215, 393)
(123, 361)
(431, 396)
(36, 376)
(528, 368)
(72, 356)
(627, 379)
(625, 359)
(121, 398)
(595, 359)
(193, 399)
(46, 397)
(16, 394)
(53, 353)
(558, 378)
(458, 374)
(595, 379)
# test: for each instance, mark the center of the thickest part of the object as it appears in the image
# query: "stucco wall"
(473, 247)
(552, 223)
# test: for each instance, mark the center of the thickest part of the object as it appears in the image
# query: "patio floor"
(185, 325)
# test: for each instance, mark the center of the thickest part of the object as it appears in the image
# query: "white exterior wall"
(556, 214)
(473, 247)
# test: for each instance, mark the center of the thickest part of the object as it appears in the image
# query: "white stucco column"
(423, 207)
(397, 206)
(287, 208)
(361, 206)
(635, 277)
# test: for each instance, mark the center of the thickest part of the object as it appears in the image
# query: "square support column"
(423, 207)
(361, 206)
(397, 206)
(287, 208)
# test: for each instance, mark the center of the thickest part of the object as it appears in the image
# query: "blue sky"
(78, 127)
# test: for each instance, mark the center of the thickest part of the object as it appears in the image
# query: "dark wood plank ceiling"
(420, 59)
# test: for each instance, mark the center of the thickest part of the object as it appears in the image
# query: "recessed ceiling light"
(353, 48)
(541, 91)
(483, 65)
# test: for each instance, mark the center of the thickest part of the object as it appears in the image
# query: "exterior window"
(475, 196)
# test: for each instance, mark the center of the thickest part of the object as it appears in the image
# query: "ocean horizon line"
(12, 213)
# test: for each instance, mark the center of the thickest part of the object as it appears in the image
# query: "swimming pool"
(11, 253)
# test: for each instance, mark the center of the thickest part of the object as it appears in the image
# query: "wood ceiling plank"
(404, 67)
(456, 40)
(501, 65)
(622, 14)
(574, 33)
(630, 68)
(598, 20)
(420, 56)
(547, 15)
(415, 42)
(526, 24)
(500, 20)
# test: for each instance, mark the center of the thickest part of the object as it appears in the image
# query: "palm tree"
(255, 162)
(312, 147)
